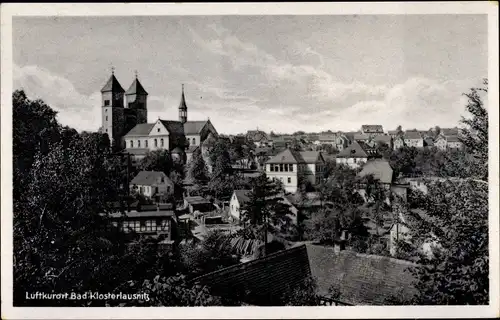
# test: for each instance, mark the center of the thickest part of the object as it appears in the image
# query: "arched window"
(161, 142)
(194, 141)
(156, 143)
(146, 143)
(131, 144)
(138, 143)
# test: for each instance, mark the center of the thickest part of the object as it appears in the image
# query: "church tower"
(137, 99)
(112, 110)
(183, 110)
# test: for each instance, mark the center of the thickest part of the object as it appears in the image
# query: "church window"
(138, 143)
(106, 102)
(161, 142)
(156, 143)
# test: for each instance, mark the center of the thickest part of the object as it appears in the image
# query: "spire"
(112, 84)
(182, 104)
(136, 87)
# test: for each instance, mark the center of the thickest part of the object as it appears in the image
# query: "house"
(393, 133)
(328, 138)
(237, 201)
(152, 223)
(429, 142)
(355, 155)
(341, 142)
(413, 139)
(400, 230)
(259, 138)
(363, 137)
(372, 129)
(385, 139)
(264, 281)
(152, 184)
(198, 203)
(380, 169)
(453, 143)
(291, 167)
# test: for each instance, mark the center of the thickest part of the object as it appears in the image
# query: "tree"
(197, 169)
(221, 183)
(475, 131)
(457, 271)
(157, 160)
(403, 161)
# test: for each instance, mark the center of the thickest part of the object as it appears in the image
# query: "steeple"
(136, 88)
(112, 85)
(183, 108)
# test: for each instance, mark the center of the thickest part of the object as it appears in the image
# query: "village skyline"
(285, 79)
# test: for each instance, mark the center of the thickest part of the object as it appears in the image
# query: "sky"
(279, 73)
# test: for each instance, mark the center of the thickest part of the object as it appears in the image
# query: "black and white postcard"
(313, 160)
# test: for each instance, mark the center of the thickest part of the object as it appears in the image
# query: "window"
(156, 143)
(194, 141)
(106, 118)
(162, 179)
(168, 189)
(158, 130)
(156, 190)
(138, 143)
(146, 143)
(289, 180)
(131, 144)
(291, 168)
(106, 102)
(161, 142)
(106, 130)
(281, 167)
(148, 225)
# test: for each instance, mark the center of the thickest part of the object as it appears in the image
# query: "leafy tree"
(402, 161)
(456, 271)
(157, 160)
(475, 133)
(221, 183)
(197, 169)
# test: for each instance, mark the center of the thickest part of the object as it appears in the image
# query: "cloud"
(77, 110)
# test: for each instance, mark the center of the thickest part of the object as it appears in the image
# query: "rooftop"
(147, 178)
(379, 168)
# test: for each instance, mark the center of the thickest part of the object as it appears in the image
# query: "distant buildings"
(375, 129)
(291, 167)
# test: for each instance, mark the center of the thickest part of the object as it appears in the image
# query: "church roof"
(173, 127)
(141, 129)
(136, 88)
(194, 127)
(112, 85)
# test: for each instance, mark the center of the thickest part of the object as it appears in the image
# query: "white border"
(10, 10)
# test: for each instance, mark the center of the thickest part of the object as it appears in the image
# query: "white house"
(354, 155)
(152, 183)
(291, 166)
(237, 201)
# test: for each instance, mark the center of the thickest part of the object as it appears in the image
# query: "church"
(124, 119)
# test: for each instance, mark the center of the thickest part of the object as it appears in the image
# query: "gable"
(159, 129)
